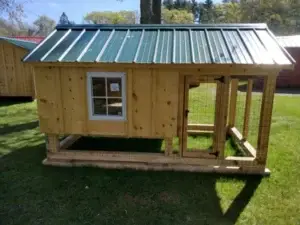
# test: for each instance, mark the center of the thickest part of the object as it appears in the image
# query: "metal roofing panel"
(62, 46)
(130, 46)
(113, 46)
(43, 48)
(96, 46)
(237, 49)
(182, 47)
(75, 51)
(164, 48)
(201, 51)
(162, 44)
(20, 43)
(272, 47)
(218, 47)
(147, 48)
(257, 50)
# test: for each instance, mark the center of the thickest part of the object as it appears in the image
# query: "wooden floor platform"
(153, 161)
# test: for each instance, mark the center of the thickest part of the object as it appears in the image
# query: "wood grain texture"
(233, 101)
(265, 118)
(16, 78)
(247, 108)
(49, 98)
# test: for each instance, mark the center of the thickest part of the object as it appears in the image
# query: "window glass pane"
(99, 106)
(99, 87)
(114, 87)
(115, 107)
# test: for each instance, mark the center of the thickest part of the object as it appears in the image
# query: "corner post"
(52, 143)
(265, 118)
(221, 117)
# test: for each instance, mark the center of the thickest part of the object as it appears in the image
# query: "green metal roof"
(162, 44)
(20, 43)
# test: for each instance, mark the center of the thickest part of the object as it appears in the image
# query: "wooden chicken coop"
(139, 81)
(16, 78)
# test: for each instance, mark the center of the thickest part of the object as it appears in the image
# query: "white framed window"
(106, 95)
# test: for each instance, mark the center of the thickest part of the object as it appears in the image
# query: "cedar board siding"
(152, 103)
(16, 78)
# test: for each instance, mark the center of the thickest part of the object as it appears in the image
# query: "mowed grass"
(31, 193)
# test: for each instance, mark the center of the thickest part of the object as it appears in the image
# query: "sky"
(75, 9)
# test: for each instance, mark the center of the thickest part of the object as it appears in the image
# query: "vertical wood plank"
(266, 118)
(141, 102)
(73, 101)
(221, 117)
(155, 74)
(3, 73)
(233, 101)
(129, 103)
(49, 99)
(166, 103)
(247, 108)
(10, 70)
(184, 134)
(180, 106)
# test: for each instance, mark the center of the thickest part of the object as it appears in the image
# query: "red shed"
(291, 78)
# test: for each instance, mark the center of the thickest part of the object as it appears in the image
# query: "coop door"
(199, 116)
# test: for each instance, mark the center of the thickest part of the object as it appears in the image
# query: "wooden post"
(168, 146)
(265, 118)
(247, 108)
(184, 134)
(221, 117)
(52, 143)
(233, 100)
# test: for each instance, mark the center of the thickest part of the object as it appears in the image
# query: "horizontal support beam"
(199, 132)
(68, 141)
(136, 157)
(160, 167)
(199, 154)
(245, 145)
(207, 127)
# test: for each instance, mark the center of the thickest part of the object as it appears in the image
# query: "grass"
(31, 193)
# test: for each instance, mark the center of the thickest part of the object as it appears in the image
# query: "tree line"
(282, 16)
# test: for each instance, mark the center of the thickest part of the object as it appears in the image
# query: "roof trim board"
(147, 44)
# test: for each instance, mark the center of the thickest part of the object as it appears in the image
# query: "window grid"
(91, 96)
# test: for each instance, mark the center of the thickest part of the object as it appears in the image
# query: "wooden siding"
(16, 78)
(152, 103)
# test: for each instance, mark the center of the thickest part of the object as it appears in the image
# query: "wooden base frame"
(58, 155)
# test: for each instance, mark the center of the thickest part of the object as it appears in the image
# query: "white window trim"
(91, 75)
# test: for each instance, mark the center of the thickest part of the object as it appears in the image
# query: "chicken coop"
(16, 78)
(189, 85)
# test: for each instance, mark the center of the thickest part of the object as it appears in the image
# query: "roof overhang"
(164, 46)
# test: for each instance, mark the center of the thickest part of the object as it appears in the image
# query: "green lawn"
(31, 193)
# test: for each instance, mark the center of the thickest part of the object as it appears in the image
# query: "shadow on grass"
(7, 101)
(35, 194)
(6, 128)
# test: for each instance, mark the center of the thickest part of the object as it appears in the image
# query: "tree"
(228, 13)
(177, 16)
(150, 11)
(207, 12)
(121, 17)
(13, 9)
(44, 25)
(190, 6)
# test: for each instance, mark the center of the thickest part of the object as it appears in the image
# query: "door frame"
(220, 120)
